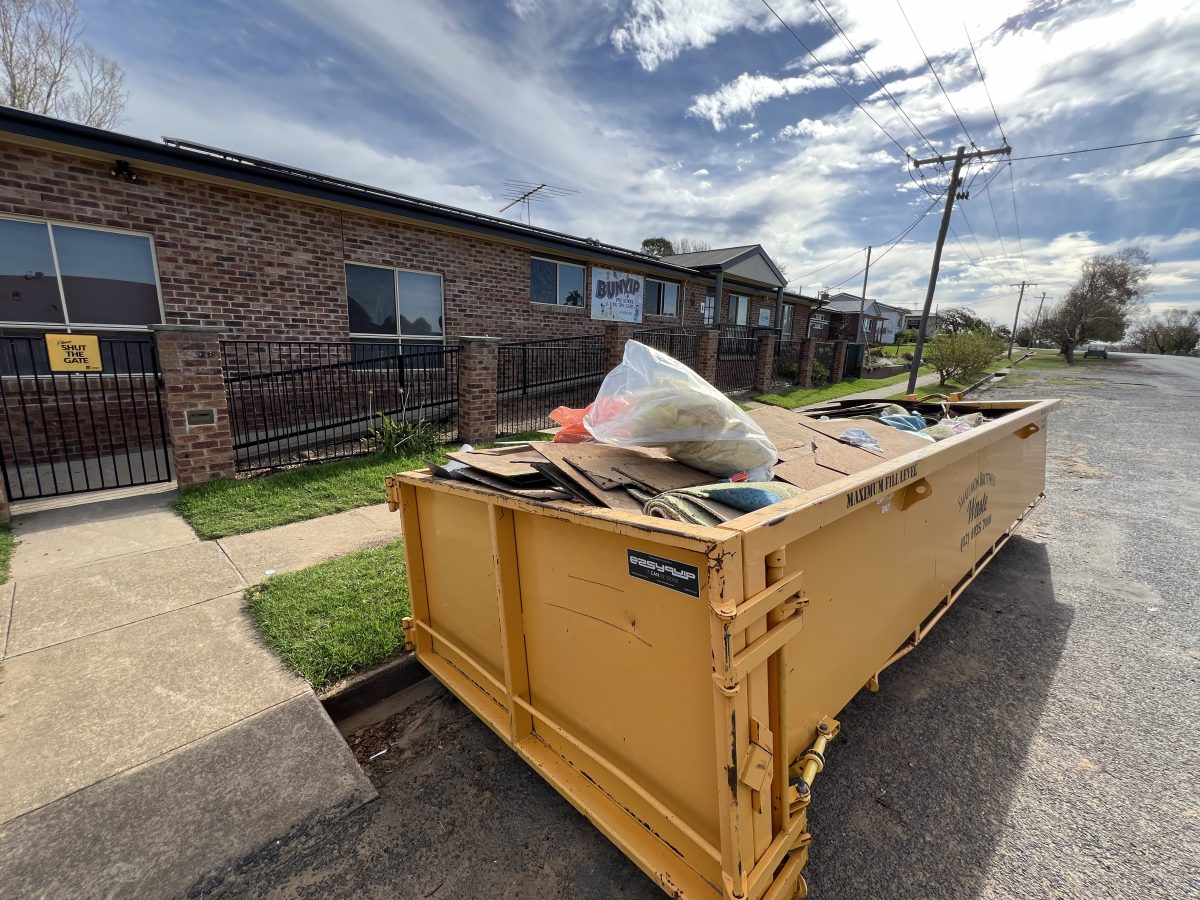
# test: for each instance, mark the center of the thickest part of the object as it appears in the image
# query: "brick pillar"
(706, 363)
(808, 351)
(615, 336)
(5, 512)
(764, 362)
(839, 361)
(478, 360)
(196, 406)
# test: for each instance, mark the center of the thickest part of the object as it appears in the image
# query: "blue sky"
(706, 119)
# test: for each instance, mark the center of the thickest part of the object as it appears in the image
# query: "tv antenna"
(527, 193)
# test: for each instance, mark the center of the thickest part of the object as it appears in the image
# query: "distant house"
(912, 322)
(855, 319)
(893, 320)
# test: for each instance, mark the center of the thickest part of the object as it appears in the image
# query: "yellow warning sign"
(74, 353)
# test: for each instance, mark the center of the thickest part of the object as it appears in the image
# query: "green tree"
(657, 246)
(1099, 304)
(1173, 331)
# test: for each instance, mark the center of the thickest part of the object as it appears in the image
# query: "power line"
(996, 221)
(1017, 221)
(936, 76)
(979, 69)
(849, 43)
(845, 90)
(905, 233)
(827, 265)
(1174, 137)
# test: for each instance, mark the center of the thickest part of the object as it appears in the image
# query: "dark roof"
(248, 170)
(703, 259)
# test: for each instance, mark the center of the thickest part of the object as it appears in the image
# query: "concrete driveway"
(1043, 742)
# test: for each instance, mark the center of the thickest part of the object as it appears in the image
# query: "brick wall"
(272, 268)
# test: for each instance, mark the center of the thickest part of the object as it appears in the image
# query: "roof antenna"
(527, 193)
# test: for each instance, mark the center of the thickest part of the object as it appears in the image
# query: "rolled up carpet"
(710, 504)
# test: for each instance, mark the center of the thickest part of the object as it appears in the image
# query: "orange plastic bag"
(571, 420)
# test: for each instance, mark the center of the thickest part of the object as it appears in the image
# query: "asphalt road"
(1044, 741)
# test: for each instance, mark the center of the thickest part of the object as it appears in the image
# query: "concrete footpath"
(146, 734)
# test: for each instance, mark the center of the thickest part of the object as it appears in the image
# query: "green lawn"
(6, 548)
(236, 506)
(804, 397)
(336, 618)
(955, 387)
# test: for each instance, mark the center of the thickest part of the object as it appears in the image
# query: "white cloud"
(747, 127)
(747, 92)
(815, 128)
(657, 31)
(700, 172)
(755, 135)
(1181, 162)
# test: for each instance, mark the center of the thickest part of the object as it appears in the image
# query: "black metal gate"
(67, 433)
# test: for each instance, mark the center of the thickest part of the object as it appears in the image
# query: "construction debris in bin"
(662, 441)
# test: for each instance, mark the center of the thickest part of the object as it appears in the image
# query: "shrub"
(789, 371)
(961, 355)
(402, 436)
(820, 374)
(908, 356)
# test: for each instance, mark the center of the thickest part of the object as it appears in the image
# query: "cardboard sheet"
(504, 462)
(611, 467)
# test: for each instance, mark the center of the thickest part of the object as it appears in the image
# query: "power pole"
(863, 299)
(959, 158)
(1036, 318)
(1012, 337)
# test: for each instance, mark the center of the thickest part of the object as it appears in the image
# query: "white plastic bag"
(653, 400)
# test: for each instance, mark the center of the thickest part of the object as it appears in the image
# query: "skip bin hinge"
(410, 642)
(1028, 431)
(756, 773)
(914, 493)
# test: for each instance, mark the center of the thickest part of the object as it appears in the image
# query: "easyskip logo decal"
(666, 573)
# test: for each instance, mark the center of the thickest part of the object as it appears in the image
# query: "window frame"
(558, 263)
(398, 337)
(67, 326)
(741, 306)
(678, 298)
(787, 316)
(708, 310)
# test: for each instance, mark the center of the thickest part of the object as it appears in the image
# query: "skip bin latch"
(409, 629)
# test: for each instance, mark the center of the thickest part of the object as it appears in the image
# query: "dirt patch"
(1075, 462)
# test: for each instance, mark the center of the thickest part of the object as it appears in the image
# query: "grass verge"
(333, 619)
(237, 506)
(6, 548)
(803, 397)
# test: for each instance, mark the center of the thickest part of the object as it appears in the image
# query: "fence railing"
(294, 402)
(680, 343)
(737, 349)
(534, 377)
(787, 360)
(73, 432)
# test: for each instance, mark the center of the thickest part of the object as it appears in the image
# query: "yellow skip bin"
(680, 685)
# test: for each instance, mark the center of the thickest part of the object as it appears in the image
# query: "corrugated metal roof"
(702, 258)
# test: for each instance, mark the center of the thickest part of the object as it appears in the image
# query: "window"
(555, 283)
(390, 304)
(710, 310)
(785, 322)
(661, 299)
(817, 321)
(739, 309)
(70, 276)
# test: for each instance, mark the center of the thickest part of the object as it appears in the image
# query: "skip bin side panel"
(460, 578)
(623, 663)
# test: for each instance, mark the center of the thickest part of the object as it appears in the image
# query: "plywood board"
(610, 467)
(506, 462)
(893, 441)
(617, 498)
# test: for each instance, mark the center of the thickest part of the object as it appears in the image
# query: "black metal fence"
(737, 349)
(822, 363)
(680, 343)
(534, 377)
(855, 354)
(787, 360)
(68, 433)
(293, 402)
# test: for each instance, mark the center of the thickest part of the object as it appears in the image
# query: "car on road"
(1098, 350)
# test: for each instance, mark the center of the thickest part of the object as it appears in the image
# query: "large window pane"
(108, 278)
(570, 285)
(420, 304)
(652, 298)
(670, 299)
(371, 297)
(28, 288)
(543, 281)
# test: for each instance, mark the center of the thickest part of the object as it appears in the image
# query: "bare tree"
(690, 245)
(1098, 306)
(46, 68)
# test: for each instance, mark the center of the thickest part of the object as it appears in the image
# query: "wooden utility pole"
(1012, 337)
(1037, 317)
(863, 298)
(959, 158)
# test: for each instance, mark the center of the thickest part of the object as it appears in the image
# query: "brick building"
(101, 231)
